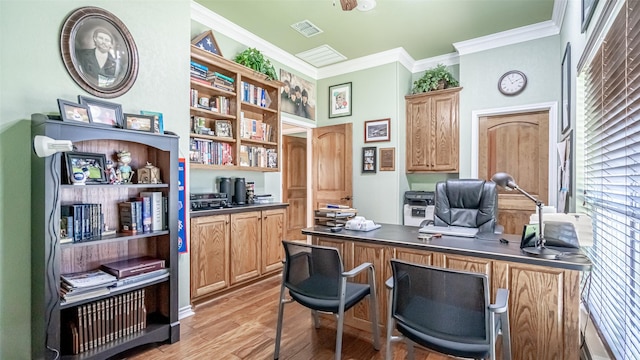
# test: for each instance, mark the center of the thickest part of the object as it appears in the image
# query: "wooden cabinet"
(239, 127)
(433, 131)
(230, 250)
(52, 318)
(209, 254)
(273, 228)
(245, 246)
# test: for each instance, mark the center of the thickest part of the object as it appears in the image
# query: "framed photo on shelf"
(139, 122)
(565, 100)
(157, 120)
(223, 128)
(84, 31)
(103, 112)
(70, 111)
(340, 100)
(91, 164)
(377, 130)
(369, 159)
(387, 159)
(207, 42)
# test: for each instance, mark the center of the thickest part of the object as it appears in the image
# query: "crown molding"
(220, 24)
(509, 37)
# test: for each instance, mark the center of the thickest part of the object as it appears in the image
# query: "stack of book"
(136, 271)
(221, 81)
(85, 285)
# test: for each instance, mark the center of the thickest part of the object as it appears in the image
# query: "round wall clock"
(512, 82)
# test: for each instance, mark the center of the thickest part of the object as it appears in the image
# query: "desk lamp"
(506, 181)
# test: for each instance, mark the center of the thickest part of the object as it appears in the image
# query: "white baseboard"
(185, 312)
(593, 349)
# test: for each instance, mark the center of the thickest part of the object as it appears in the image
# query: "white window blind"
(612, 182)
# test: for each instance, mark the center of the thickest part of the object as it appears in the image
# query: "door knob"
(348, 197)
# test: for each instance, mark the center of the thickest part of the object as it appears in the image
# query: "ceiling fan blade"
(348, 5)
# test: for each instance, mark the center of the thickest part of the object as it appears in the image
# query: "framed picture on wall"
(387, 159)
(369, 159)
(377, 130)
(340, 100)
(565, 100)
(588, 7)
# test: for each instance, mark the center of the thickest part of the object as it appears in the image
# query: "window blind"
(612, 182)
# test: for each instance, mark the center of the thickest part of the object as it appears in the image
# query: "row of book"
(80, 222)
(255, 129)
(255, 94)
(100, 322)
(145, 213)
(200, 73)
(209, 152)
(258, 156)
(219, 104)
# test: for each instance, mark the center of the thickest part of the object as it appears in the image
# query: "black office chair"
(447, 311)
(316, 279)
(468, 203)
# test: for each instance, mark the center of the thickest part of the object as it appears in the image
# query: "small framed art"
(70, 111)
(387, 159)
(90, 164)
(103, 112)
(157, 120)
(139, 122)
(369, 159)
(377, 130)
(223, 128)
(340, 100)
(207, 42)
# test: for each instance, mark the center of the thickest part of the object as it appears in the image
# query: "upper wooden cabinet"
(235, 116)
(433, 131)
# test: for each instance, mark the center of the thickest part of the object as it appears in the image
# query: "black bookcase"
(50, 189)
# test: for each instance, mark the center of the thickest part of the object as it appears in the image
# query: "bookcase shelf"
(244, 115)
(51, 323)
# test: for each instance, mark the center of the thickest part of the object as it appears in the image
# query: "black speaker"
(225, 187)
(240, 196)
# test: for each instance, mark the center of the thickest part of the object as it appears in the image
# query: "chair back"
(466, 202)
(313, 271)
(441, 303)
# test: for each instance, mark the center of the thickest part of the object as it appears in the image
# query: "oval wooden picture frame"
(81, 33)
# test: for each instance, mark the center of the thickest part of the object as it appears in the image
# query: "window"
(612, 182)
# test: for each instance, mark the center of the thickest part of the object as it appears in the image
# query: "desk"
(544, 293)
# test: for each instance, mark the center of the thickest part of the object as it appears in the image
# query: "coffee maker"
(240, 197)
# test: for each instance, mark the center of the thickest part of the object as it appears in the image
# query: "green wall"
(32, 77)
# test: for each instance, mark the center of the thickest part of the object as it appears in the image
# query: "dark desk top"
(407, 236)
(237, 209)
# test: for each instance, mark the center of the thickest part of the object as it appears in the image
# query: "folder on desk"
(449, 230)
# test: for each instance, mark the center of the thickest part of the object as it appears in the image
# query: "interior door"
(332, 163)
(517, 144)
(294, 183)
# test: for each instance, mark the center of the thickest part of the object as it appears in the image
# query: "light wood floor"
(242, 325)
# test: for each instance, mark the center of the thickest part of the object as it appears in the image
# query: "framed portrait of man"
(99, 52)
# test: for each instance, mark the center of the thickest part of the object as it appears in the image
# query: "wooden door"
(332, 165)
(517, 144)
(294, 185)
(273, 225)
(245, 246)
(209, 254)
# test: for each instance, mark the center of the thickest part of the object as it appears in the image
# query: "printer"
(418, 206)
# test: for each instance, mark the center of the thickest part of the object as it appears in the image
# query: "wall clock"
(512, 82)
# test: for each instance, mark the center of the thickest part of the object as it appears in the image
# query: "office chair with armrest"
(316, 279)
(447, 311)
(471, 203)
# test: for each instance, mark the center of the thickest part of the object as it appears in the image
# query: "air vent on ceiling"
(306, 28)
(321, 56)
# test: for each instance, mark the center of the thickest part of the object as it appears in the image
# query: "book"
(155, 198)
(145, 212)
(127, 214)
(88, 278)
(134, 266)
(141, 279)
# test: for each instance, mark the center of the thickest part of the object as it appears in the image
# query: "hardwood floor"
(242, 325)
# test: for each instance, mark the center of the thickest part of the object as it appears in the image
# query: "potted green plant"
(437, 78)
(253, 59)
